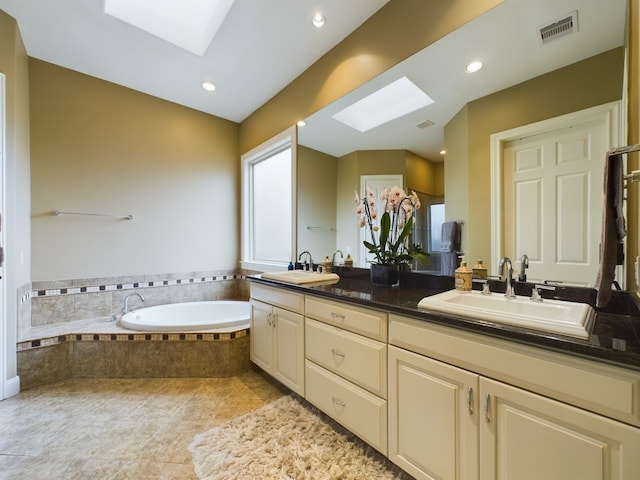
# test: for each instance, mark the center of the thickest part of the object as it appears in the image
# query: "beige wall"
(16, 211)
(317, 190)
(98, 147)
(398, 30)
(424, 175)
(467, 136)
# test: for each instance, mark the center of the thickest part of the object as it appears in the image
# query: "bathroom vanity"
(448, 397)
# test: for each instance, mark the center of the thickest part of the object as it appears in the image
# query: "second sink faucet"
(524, 264)
(310, 264)
(505, 262)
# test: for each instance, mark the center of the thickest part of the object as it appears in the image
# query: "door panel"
(552, 201)
(526, 436)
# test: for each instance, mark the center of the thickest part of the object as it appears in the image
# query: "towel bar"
(123, 217)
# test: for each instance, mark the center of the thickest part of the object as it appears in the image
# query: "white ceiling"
(504, 39)
(260, 48)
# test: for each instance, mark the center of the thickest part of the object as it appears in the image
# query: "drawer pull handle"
(337, 353)
(339, 402)
(470, 400)
(338, 316)
(487, 408)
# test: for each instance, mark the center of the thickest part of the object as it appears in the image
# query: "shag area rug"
(287, 439)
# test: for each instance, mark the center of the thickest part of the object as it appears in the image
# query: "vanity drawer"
(279, 297)
(354, 357)
(371, 323)
(358, 410)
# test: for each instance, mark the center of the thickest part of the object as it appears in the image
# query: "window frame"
(283, 140)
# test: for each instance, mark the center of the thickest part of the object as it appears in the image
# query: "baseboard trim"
(12, 387)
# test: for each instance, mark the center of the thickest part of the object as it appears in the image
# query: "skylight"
(189, 24)
(397, 99)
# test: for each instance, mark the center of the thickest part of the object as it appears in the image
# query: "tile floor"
(119, 428)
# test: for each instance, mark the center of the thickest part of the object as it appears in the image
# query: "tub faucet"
(310, 264)
(333, 259)
(126, 301)
(506, 262)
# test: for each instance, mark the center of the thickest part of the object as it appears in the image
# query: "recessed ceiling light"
(191, 28)
(208, 86)
(318, 20)
(443, 152)
(473, 67)
(302, 123)
(393, 101)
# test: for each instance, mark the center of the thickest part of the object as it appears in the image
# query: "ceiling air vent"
(559, 28)
(425, 124)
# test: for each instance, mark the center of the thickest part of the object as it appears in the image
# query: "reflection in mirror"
(524, 80)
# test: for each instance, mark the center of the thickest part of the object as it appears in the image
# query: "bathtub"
(223, 315)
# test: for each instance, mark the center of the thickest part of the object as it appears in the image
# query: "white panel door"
(552, 201)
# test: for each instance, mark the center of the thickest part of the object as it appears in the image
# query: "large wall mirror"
(524, 80)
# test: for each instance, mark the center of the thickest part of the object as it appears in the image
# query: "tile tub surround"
(95, 349)
(63, 301)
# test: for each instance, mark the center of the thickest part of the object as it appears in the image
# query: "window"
(436, 219)
(269, 203)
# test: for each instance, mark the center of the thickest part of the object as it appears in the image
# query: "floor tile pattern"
(120, 428)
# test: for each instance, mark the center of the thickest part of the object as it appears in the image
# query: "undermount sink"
(556, 316)
(301, 277)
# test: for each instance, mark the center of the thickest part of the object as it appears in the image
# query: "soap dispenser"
(479, 270)
(462, 279)
(326, 264)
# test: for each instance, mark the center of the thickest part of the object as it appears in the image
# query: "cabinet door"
(288, 365)
(261, 335)
(433, 410)
(529, 437)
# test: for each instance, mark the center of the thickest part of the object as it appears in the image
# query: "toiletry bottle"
(463, 275)
(479, 270)
(326, 264)
(348, 262)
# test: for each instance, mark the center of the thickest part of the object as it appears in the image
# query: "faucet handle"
(485, 286)
(535, 293)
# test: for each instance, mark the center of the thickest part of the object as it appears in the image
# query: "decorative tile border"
(130, 337)
(134, 285)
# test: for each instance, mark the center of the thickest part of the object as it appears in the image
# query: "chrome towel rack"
(121, 217)
(327, 229)
(634, 176)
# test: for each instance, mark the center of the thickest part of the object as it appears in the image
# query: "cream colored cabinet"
(277, 335)
(455, 416)
(346, 366)
(433, 417)
(529, 437)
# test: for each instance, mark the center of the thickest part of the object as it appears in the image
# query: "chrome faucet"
(126, 301)
(524, 264)
(310, 264)
(333, 258)
(509, 292)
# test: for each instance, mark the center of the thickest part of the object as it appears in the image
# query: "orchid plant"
(396, 223)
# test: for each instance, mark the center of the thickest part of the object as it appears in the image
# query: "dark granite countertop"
(615, 337)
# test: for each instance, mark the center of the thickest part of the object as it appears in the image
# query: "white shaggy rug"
(286, 439)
